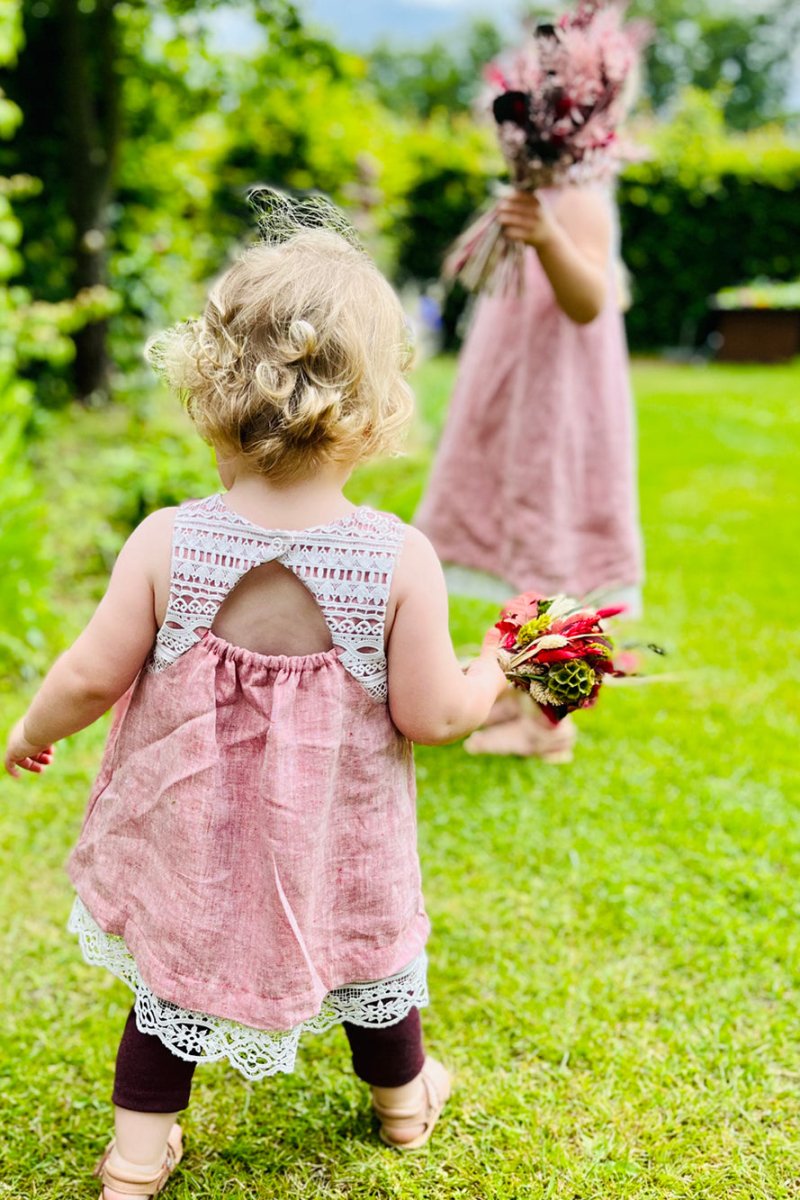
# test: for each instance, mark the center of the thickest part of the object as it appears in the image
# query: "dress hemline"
(256, 1053)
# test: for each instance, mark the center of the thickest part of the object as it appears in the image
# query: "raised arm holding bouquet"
(534, 483)
(558, 103)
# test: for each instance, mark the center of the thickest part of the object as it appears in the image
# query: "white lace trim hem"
(256, 1053)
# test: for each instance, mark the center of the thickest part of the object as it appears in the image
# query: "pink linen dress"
(248, 860)
(534, 483)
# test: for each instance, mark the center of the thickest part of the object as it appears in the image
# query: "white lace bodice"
(346, 565)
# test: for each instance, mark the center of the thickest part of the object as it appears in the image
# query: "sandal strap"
(133, 1180)
(398, 1119)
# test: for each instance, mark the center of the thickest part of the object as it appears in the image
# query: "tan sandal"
(132, 1180)
(396, 1120)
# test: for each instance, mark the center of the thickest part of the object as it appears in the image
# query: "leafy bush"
(29, 331)
(706, 211)
(144, 455)
(22, 608)
(162, 464)
(23, 581)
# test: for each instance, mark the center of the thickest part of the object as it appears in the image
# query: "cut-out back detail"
(346, 566)
(271, 612)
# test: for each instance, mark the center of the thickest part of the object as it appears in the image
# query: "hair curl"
(298, 359)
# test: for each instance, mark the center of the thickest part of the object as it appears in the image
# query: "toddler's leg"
(389, 1056)
(149, 1078)
(409, 1090)
(151, 1086)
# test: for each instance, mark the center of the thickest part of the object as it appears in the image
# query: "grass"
(614, 967)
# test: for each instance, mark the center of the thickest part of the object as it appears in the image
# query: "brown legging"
(150, 1078)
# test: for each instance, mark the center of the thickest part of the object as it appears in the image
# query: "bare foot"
(506, 708)
(525, 738)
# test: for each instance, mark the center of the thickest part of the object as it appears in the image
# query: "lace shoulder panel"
(208, 560)
(349, 569)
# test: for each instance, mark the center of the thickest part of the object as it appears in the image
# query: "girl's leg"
(149, 1078)
(390, 1056)
(151, 1086)
(409, 1089)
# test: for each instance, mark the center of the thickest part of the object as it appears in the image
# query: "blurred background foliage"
(131, 131)
(32, 333)
(708, 205)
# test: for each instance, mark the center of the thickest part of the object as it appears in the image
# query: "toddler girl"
(248, 860)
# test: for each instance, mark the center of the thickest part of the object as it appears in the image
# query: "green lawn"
(614, 967)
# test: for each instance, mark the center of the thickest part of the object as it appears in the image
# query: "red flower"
(562, 654)
(593, 644)
(574, 626)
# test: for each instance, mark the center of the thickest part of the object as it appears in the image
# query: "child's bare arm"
(572, 242)
(105, 659)
(431, 699)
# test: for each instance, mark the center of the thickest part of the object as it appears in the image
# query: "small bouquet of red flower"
(558, 104)
(556, 650)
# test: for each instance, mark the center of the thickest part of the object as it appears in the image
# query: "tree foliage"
(443, 77)
(24, 331)
(742, 55)
(123, 72)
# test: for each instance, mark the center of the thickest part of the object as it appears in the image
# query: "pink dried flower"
(558, 102)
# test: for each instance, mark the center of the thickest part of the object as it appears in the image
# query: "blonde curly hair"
(298, 359)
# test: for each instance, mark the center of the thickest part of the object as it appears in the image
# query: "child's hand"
(525, 219)
(488, 659)
(22, 753)
(491, 642)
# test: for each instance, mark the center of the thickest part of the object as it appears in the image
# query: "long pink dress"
(248, 860)
(534, 483)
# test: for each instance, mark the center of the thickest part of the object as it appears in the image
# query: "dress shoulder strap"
(209, 557)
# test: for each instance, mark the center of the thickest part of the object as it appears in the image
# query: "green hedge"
(706, 211)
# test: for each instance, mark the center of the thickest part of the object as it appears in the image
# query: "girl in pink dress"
(534, 484)
(248, 861)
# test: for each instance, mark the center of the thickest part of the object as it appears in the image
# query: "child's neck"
(316, 500)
